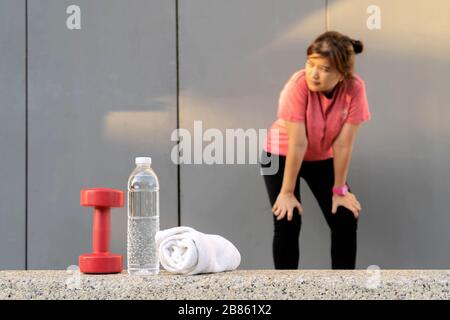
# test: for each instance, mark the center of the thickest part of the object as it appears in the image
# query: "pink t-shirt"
(323, 117)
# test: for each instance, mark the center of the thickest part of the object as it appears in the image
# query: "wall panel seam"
(26, 134)
(178, 112)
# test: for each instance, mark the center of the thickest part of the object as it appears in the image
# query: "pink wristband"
(340, 191)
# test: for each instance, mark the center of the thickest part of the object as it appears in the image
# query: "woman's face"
(320, 76)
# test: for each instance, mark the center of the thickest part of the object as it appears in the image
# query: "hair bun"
(357, 46)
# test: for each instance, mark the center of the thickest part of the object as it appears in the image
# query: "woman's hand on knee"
(348, 201)
(285, 204)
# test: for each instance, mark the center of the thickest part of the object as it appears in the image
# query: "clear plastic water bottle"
(143, 219)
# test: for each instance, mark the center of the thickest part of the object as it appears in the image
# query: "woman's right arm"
(297, 145)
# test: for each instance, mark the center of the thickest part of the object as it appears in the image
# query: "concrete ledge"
(240, 284)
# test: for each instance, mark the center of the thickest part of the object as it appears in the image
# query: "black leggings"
(319, 175)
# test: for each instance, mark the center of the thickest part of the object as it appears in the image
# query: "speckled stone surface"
(239, 284)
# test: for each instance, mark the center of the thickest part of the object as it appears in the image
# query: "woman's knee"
(288, 228)
(344, 221)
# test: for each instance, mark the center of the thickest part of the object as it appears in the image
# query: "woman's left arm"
(342, 150)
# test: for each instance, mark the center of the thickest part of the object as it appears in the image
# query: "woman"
(320, 110)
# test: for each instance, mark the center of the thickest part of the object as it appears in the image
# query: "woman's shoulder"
(297, 80)
(298, 76)
(356, 84)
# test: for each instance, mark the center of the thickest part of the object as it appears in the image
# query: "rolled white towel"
(187, 251)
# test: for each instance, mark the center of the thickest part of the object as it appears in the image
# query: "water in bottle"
(143, 219)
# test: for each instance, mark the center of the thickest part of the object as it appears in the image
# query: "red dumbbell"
(101, 261)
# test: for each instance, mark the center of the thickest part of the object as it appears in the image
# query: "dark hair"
(339, 48)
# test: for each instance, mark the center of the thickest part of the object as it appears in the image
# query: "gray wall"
(234, 58)
(12, 134)
(231, 72)
(98, 97)
(101, 95)
(401, 165)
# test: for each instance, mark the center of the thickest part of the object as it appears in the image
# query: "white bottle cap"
(143, 160)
